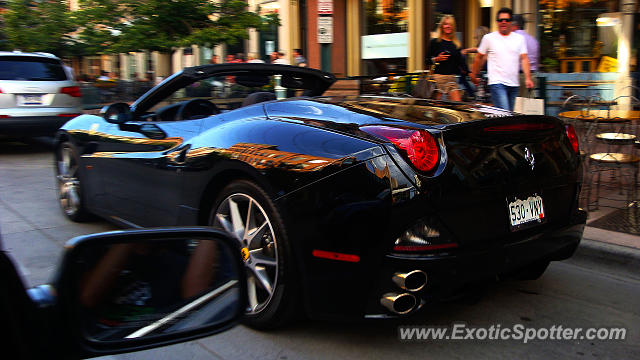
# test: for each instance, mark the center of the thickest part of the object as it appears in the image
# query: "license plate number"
(530, 210)
(31, 99)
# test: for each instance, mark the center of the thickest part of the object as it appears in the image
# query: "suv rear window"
(31, 69)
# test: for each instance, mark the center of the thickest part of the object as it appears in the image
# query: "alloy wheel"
(68, 182)
(246, 220)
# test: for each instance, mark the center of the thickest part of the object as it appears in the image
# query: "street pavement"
(598, 287)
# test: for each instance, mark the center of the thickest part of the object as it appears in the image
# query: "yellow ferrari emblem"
(245, 254)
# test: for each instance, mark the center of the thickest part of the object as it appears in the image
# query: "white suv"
(37, 94)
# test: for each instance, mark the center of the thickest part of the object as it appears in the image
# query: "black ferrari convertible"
(346, 207)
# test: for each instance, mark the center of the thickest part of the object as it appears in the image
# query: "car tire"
(68, 183)
(273, 288)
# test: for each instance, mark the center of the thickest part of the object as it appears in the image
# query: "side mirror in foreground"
(131, 290)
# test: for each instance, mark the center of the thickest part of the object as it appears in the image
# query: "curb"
(617, 257)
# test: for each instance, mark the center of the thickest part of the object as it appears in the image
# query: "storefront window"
(578, 35)
(457, 8)
(385, 40)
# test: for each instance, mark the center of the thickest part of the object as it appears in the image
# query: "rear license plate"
(528, 211)
(30, 99)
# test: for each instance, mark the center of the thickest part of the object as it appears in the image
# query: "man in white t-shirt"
(505, 51)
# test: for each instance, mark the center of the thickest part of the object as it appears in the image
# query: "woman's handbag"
(426, 86)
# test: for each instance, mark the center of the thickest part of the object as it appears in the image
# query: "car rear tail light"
(573, 138)
(423, 237)
(68, 115)
(519, 127)
(71, 91)
(419, 146)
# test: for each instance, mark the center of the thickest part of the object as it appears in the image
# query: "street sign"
(325, 7)
(325, 30)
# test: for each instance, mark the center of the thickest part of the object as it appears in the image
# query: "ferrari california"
(346, 207)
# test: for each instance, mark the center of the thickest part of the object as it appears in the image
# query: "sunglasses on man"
(504, 20)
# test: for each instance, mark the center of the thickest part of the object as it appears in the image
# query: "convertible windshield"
(229, 86)
(231, 92)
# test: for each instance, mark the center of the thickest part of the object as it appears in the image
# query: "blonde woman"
(444, 53)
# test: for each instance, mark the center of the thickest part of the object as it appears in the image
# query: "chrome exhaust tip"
(398, 303)
(412, 281)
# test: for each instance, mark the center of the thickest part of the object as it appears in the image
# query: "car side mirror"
(118, 113)
(131, 290)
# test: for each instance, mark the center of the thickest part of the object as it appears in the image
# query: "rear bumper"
(449, 275)
(31, 125)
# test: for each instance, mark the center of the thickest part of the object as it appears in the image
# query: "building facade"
(597, 39)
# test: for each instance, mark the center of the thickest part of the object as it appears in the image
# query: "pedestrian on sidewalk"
(254, 58)
(478, 34)
(444, 53)
(231, 59)
(481, 92)
(299, 58)
(280, 59)
(533, 51)
(505, 51)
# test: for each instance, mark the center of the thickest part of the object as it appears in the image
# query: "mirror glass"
(143, 289)
(118, 113)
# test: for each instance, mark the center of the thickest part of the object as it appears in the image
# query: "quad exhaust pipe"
(398, 303)
(412, 281)
(403, 303)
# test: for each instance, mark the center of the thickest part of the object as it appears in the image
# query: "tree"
(161, 25)
(4, 43)
(38, 26)
(97, 26)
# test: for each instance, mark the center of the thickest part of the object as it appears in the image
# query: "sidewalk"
(619, 248)
(602, 248)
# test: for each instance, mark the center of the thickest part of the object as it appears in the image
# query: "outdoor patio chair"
(620, 139)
